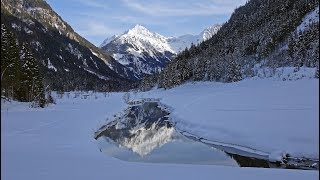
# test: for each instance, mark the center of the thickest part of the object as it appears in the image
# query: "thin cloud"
(187, 8)
(97, 29)
(137, 20)
(93, 3)
(126, 19)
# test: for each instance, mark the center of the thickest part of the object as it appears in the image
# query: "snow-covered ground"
(267, 114)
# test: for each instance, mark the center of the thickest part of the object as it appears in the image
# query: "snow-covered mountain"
(178, 44)
(146, 52)
(139, 49)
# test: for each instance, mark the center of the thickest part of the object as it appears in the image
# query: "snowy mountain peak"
(139, 27)
(108, 40)
(209, 32)
(147, 52)
(137, 30)
(140, 33)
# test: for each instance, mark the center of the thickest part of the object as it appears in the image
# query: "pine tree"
(30, 78)
(233, 71)
(10, 64)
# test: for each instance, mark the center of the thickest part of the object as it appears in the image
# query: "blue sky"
(98, 19)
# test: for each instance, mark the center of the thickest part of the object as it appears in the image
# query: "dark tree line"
(260, 32)
(20, 77)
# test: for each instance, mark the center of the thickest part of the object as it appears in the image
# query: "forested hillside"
(260, 34)
(66, 60)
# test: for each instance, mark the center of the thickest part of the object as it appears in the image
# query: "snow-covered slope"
(57, 142)
(147, 52)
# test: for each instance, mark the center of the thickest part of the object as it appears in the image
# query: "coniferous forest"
(20, 77)
(260, 33)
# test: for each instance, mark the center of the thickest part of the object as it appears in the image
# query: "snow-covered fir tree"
(30, 78)
(233, 72)
(10, 64)
(20, 77)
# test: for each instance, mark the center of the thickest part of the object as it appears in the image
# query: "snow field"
(57, 142)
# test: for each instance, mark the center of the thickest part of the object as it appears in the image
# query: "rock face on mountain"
(67, 60)
(145, 52)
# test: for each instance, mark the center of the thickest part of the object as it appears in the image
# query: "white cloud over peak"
(184, 8)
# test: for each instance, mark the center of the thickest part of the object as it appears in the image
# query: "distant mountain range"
(146, 52)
